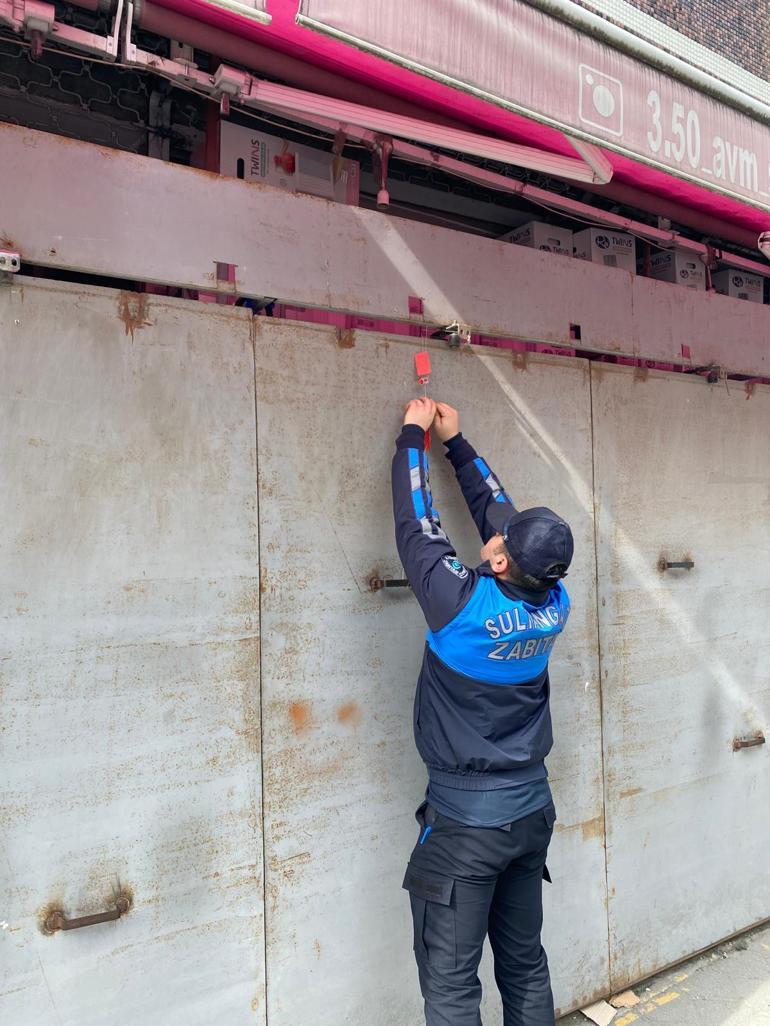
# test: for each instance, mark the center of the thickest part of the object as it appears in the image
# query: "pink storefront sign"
(518, 58)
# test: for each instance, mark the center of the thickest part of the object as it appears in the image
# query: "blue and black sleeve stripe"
(422, 500)
(499, 494)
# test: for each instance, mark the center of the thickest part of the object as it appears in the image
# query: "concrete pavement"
(729, 986)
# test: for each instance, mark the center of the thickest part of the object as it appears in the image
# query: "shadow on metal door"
(339, 661)
(682, 479)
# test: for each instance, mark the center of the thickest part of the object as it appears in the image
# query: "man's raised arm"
(478, 483)
(440, 582)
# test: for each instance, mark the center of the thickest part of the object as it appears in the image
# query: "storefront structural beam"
(94, 210)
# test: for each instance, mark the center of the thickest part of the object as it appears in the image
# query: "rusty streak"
(132, 310)
(349, 714)
(300, 716)
(345, 338)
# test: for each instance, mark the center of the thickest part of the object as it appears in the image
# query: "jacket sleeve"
(441, 583)
(478, 483)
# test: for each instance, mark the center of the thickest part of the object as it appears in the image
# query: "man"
(483, 727)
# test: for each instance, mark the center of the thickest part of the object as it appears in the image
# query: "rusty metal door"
(683, 477)
(129, 664)
(340, 662)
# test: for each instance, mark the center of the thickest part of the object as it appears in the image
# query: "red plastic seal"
(422, 366)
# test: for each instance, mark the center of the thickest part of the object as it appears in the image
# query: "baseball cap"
(539, 541)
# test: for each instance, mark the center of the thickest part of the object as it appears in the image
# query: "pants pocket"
(549, 813)
(433, 917)
(420, 813)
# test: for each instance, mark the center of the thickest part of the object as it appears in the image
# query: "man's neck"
(536, 597)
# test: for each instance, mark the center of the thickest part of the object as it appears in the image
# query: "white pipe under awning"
(593, 167)
(595, 159)
(253, 10)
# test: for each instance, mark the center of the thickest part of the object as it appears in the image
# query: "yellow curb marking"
(664, 1000)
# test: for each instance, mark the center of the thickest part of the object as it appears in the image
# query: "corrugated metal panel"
(129, 625)
(130, 660)
(682, 472)
(340, 663)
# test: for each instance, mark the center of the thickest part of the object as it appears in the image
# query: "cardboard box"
(681, 267)
(603, 246)
(539, 235)
(257, 157)
(739, 285)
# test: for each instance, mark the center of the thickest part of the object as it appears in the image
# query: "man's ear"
(500, 562)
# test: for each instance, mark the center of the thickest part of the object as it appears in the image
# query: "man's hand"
(447, 422)
(421, 412)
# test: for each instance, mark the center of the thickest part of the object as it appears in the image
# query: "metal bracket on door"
(56, 918)
(455, 334)
(749, 742)
(683, 564)
(10, 262)
(378, 583)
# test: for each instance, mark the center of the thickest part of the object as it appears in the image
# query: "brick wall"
(737, 29)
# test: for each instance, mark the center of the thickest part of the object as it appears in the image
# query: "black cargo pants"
(464, 883)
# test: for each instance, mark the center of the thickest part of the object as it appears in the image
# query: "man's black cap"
(539, 541)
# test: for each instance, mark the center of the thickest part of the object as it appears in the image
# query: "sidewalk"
(729, 986)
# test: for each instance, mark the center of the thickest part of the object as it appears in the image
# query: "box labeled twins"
(681, 268)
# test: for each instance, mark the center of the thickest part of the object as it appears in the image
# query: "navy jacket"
(481, 717)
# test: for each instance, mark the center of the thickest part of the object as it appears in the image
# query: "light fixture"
(763, 244)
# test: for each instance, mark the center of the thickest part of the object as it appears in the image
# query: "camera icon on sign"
(601, 100)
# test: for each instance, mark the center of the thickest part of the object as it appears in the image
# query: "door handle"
(56, 919)
(683, 564)
(378, 583)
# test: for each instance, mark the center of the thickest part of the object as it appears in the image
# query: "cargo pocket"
(549, 812)
(433, 916)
